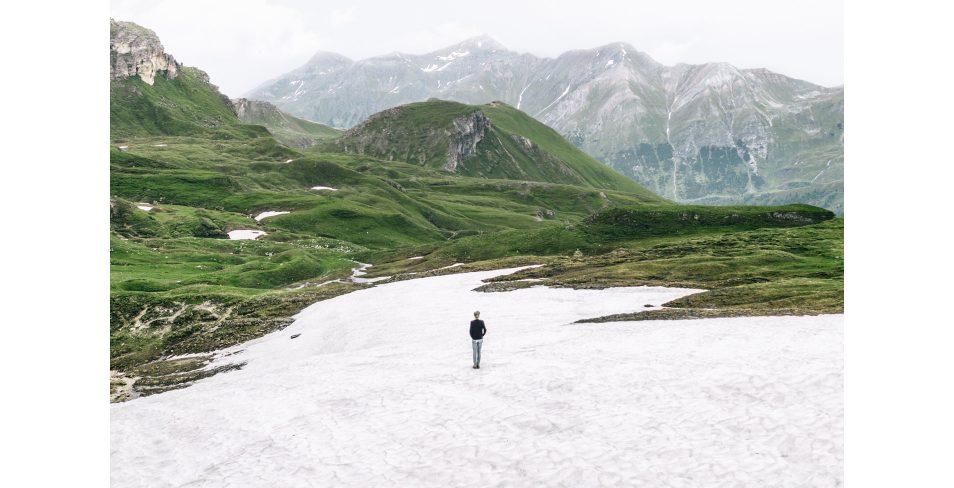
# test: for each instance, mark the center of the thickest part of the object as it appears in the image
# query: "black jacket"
(477, 329)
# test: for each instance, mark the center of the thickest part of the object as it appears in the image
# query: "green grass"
(515, 147)
(787, 270)
(187, 105)
(605, 230)
(178, 285)
(287, 129)
(755, 271)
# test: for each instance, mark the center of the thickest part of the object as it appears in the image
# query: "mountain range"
(228, 217)
(709, 133)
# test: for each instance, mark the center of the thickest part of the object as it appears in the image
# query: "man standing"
(477, 331)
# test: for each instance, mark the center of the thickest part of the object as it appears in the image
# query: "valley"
(422, 190)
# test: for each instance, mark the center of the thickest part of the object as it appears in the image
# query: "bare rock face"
(469, 130)
(245, 108)
(135, 50)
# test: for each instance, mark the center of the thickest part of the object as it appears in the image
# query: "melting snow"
(290, 160)
(159, 145)
(434, 67)
(245, 234)
(454, 55)
(358, 272)
(144, 207)
(520, 98)
(609, 63)
(324, 188)
(827, 165)
(270, 213)
(378, 390)
(458, 80)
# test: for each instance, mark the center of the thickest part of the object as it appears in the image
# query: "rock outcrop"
(136, 51)
(289, 130)
(467, 132)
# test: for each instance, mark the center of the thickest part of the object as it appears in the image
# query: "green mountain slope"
(289, 130)
(185, 172)
(487, 141)
(186, 105)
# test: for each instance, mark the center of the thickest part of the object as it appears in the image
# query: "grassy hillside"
(493, 141)
(185, 172)
(287, 129)
(186, 105)
(760, 270)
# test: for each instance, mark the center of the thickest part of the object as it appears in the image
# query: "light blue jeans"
(476, 344)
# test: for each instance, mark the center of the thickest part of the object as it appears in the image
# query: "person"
(477, 332)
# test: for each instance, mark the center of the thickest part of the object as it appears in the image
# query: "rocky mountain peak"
(136, 51)
(328, 58)
(481, 42)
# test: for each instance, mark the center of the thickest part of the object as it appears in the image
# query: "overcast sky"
(242, 43)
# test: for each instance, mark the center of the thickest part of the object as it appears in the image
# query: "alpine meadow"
(260, 248)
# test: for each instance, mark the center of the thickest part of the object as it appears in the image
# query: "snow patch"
(267, 214)
(159, 145)
(324, 188)
(520, 98)
(357, 273)
(290, 160)
(245, 234)
(827, 165)
(454, 55)
(145, 207)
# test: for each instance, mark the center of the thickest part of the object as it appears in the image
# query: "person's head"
(477, 314)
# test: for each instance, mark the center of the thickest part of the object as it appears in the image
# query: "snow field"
(378, 391)
(245, 234)
(269, 213)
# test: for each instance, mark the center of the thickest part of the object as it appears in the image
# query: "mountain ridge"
(687, 131)
(493, 140)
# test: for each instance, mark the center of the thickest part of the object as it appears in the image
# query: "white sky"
(242, 43)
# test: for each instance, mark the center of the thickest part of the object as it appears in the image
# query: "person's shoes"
(474, 367)
(477, 367)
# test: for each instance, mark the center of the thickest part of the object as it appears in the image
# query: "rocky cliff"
(465, 133)
(136, 51)
(151, 94)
